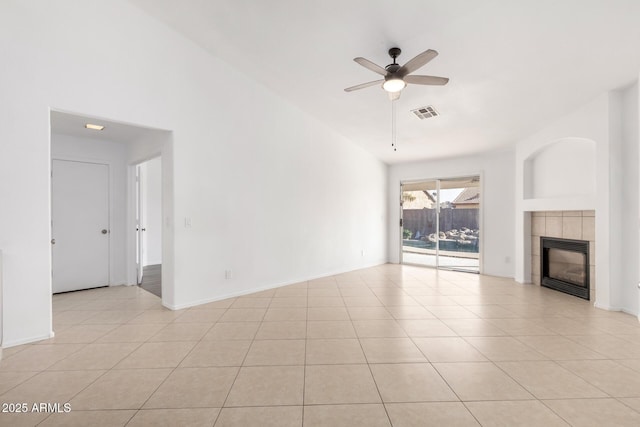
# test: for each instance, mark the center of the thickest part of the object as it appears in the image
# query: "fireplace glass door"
(564, 265)
(567, 266)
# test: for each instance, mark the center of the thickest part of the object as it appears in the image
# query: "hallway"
(152, 279)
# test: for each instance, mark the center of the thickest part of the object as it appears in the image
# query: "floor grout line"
(525, 307)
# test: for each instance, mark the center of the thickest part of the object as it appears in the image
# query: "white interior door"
(80, 225)
(139, 227)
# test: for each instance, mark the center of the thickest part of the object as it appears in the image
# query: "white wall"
(611, 122)
(113, 153)
(589, 122)
(277, 197)
(1, 308)
(630, 192)
(563, 169)
(497, 203)
(151, 186)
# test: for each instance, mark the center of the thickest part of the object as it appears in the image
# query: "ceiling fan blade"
(393, 96)
(426, 80)
(418, 61)
(363, 85)
(371, 66)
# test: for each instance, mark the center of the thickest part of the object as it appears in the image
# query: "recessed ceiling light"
(94, 127)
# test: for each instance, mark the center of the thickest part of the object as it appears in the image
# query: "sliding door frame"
(480, 219)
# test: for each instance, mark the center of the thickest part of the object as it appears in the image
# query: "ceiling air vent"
(425, 112)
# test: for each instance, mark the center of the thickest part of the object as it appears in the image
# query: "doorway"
(79, 225)
(440, 223)
(149, 225)
(120, 146)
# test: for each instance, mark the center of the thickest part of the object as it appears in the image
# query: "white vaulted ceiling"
(514, 65)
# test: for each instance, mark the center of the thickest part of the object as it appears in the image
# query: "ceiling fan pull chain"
(393, 126)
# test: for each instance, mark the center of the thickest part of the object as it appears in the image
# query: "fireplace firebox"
(565, 265)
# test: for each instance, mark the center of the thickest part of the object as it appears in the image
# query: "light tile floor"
(389, 345)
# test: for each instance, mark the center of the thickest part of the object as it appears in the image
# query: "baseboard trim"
(631, 312)
(264, 288)
(14, 343)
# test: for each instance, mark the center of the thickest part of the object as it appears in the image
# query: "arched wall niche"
(564, 167)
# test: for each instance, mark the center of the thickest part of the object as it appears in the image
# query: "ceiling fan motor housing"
(392, 68)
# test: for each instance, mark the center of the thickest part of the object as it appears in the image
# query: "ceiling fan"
(396, 77)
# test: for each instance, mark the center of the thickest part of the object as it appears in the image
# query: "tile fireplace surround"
(577, 225)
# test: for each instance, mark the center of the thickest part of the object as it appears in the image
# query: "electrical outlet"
(228, 274)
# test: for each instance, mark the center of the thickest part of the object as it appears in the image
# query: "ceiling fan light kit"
(394, 84)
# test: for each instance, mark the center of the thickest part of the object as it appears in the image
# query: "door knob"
(53, 241)
(104, 231)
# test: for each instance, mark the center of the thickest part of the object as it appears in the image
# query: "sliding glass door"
(460, 224)
(440, 223)
(419, 223)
